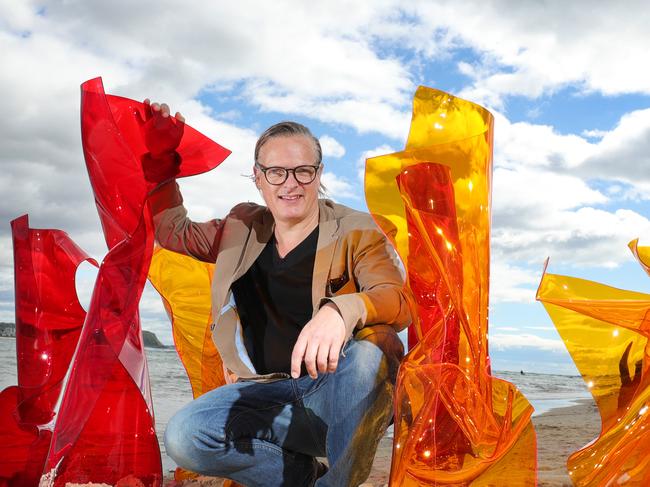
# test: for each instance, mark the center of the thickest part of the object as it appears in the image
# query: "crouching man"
(307, 299)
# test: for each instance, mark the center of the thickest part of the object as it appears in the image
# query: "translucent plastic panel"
(184, 284)
(606, 332)
(455, 423)
(48, 323)
(104, 431)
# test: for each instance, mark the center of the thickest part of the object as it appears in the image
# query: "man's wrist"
(161, 167)
(332, 305)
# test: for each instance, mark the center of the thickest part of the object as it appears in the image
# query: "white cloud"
(377, 151)
(503, 341)
(503, 328)
(543, 200)
(509, 283)
(339, 187)
(594, 134)
(540, 193)
(525, 144)
(541, 328)
(331, 147)
(316, 65)
(623, 154)
(586, 237)
(556, 45)
(363, 114)
(213, 194)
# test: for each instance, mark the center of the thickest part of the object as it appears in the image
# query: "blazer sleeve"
(382, 297)
(175, 231)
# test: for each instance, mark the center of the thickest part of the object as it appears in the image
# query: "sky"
(567, 82)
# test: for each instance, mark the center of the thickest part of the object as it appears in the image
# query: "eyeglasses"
(278, 175)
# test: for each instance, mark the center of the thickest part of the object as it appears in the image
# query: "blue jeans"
(267, 434)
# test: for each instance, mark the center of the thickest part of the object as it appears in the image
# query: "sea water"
(171, 389)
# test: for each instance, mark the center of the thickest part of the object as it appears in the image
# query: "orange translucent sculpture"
(455, 424)
(606, 331)
(185, 286)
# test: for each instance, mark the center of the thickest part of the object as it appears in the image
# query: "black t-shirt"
(274, 302)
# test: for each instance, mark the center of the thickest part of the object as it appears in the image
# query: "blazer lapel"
(328, 234)
(260, 235)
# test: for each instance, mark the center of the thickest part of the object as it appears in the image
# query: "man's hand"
(161, 133)
(319, 343)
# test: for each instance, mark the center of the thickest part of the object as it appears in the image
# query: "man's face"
(291, 201)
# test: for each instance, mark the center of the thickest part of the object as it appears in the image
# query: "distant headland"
(150, 338)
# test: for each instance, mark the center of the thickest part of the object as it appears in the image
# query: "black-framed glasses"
(278, 175)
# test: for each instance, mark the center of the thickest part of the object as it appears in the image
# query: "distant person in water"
(307, 299)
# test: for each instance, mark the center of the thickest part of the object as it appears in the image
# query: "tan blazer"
(355, 267)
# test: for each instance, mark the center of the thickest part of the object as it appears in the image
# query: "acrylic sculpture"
(184, 284)
(103, 428)
(49, 319)
(606, 331)
(455, 424)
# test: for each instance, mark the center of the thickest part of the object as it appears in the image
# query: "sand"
(559, 433)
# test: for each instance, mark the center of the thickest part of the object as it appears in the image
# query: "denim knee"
(187, 440)
(387, 343)
(178, 442)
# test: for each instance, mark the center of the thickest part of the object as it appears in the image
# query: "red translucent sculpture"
(105, 428)
(48, 323)
(455, 424)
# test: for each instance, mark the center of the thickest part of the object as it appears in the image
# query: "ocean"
(171, 388)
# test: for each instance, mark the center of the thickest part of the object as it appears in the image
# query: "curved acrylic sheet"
(606, 331)
(48, 323)
(185, 286)
(48, 315)
(22, 446)
(642, 255)
(105, 431)
(105, 427)
(113, 147)
(455, 424)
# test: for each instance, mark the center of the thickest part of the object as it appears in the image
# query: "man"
(300, 281)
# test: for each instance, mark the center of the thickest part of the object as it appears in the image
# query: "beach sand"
(559, 433)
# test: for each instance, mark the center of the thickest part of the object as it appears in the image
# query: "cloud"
(363, 114)
(537, 146)
(545, 196)
(623, 154)
(317, 65)
(557, 45)
(502, 341)
(509, 283)
(331, 147)
(377, 151)
(338, 187)
(594, 134)
(213, 194)
(585, 237)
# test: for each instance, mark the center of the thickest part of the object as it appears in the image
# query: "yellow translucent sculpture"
(184, 284)
(455, 424)
(606, 332)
